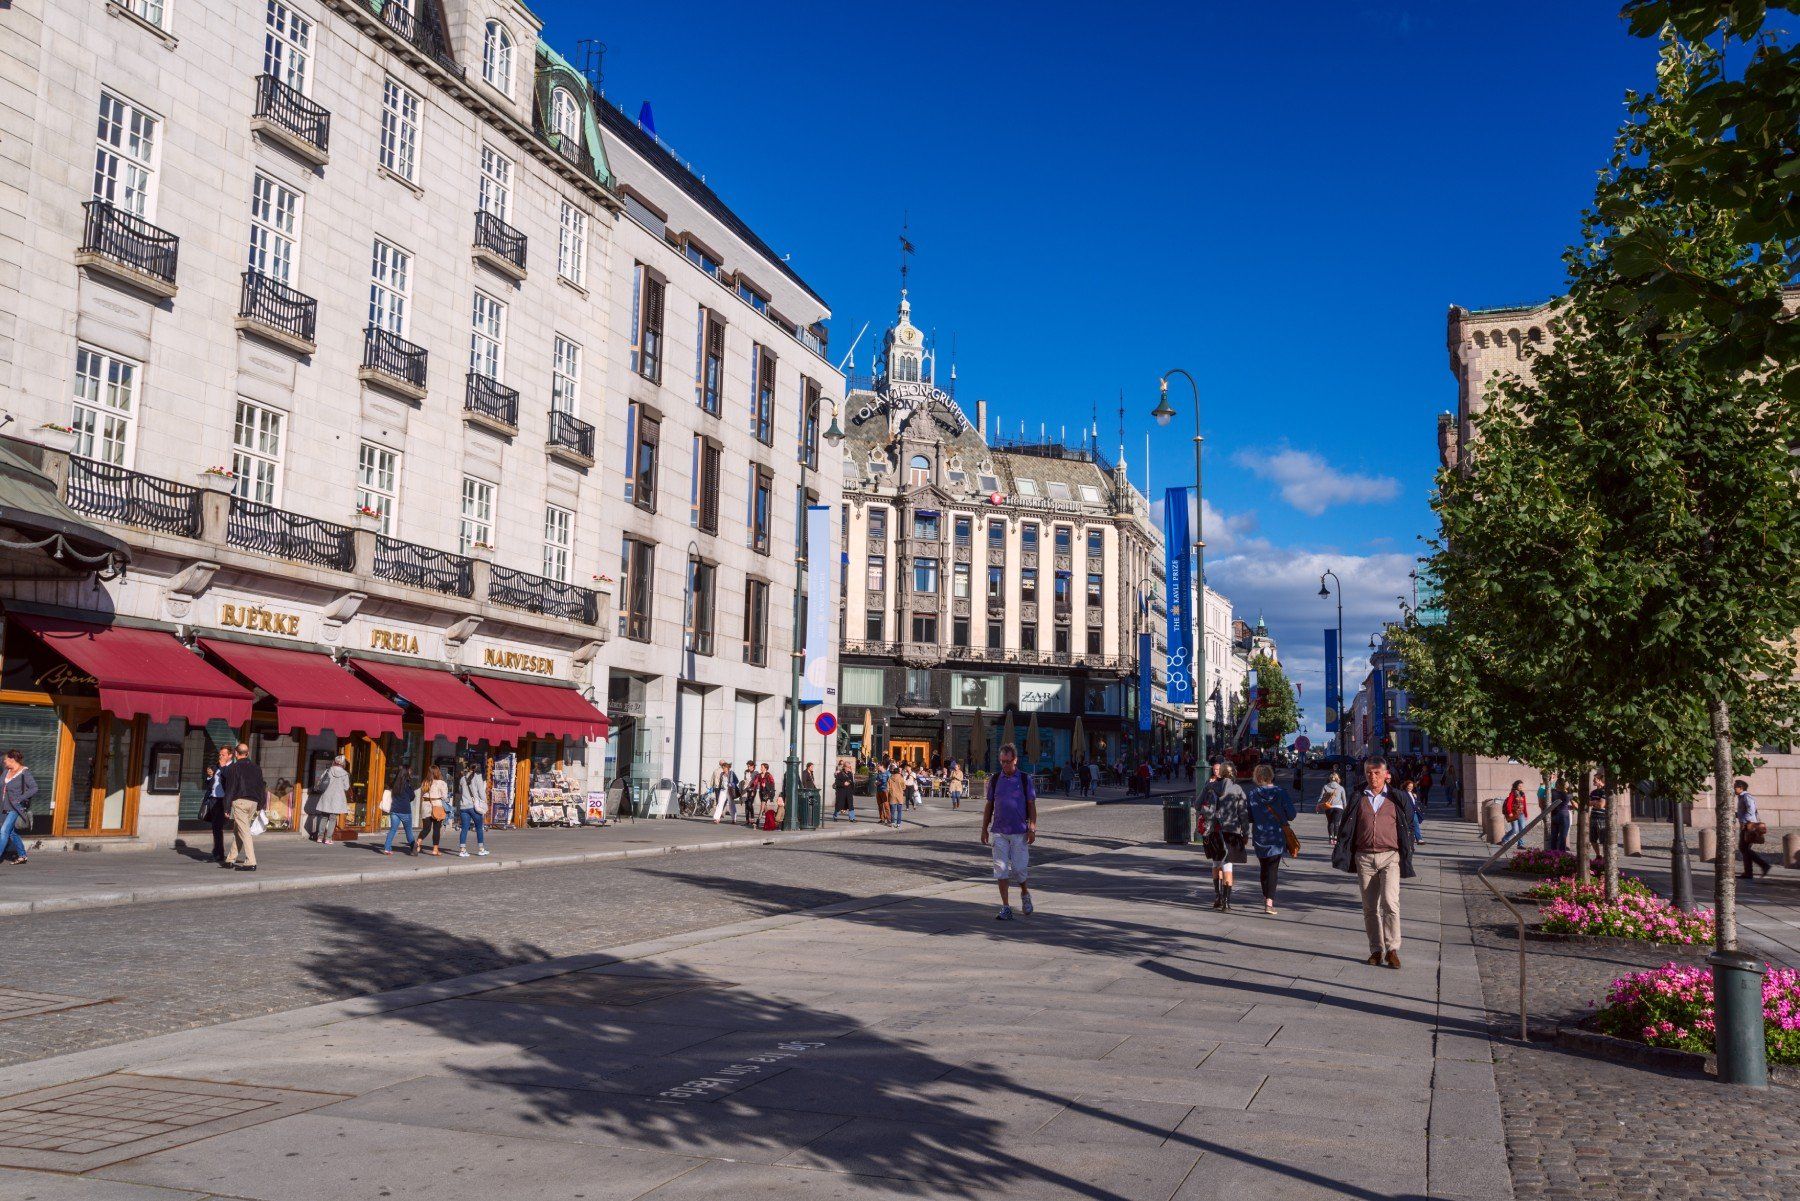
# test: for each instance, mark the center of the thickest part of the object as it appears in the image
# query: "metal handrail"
(1507, 844)
(493, 234)
(286, 535)
(568, 430)
(269, 302)
(133, 498)
(129, 240)
(539, 594)
(491, 398)
(393, 356)
(424, 567)
(291, 110)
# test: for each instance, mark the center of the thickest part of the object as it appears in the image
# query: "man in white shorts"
(1009, 826)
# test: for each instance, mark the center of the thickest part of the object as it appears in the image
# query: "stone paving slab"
(1002, 1060)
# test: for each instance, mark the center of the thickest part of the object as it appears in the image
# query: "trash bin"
(810, 804)
(1178, 822)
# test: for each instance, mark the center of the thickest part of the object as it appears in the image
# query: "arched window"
(919, 470)
(497, 57)
(907, 369)
(1480, 339)
(565, 115)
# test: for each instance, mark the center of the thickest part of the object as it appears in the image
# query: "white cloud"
(1312, 485)
(1226, 533)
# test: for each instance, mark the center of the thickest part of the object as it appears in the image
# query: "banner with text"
(1146, 693)
(816, 683)
(1333, 686)
(1179, 544)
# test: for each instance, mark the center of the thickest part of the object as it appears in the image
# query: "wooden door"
(101, 758)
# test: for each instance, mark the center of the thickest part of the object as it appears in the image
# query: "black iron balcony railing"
(499, 238)
(491, 398)
(424, 567)
(393, 356)
(133, 498)
(539, 594)
(119, 237)
(571, 432)
(282, 105)
(423, 32)
(285, 535)
(270, 303)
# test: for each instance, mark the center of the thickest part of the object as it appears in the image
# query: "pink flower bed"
(1672, 1006)
(1535, 861)
(1565, 888)
(1644, 918)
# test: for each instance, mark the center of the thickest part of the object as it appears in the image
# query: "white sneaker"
(463, 853)
(482, 851)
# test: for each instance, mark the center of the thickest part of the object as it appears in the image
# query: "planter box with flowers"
(1631, 918)
(218, 478)
(53, 435)
(1672, 1007)
(1535, 861)
(1567, 888)
(365, 518)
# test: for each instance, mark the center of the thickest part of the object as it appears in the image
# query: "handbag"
(1293, 839)
(257, 825)
(387, 801)
(1755, 832)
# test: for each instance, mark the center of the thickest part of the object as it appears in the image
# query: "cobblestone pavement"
(1579, 1125)
(174, 965)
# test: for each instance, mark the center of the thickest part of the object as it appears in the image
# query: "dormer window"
(497, 58)
(919, 470)
(565, 115)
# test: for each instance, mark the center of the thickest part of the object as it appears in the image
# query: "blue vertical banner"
(1334, 688)
(816, 683)
(1256, 704)
(1178, 544)
(1146, 692)
(1378, 707)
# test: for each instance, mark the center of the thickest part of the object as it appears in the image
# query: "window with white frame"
(571, 244)
(274, 228)
(497, 58)
(154, 11)
(378, 483)
(565, 377)
(477, 528)
(496, 183)
(390, 288)
(559, 541)
(256, 452)
(565, 115)
(125, 156)
(105, 406)
(399, 130)
(487, 333)
(287, 47)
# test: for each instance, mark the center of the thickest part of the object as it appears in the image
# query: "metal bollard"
(1738, 1005)
(1709, 845)
(1790, 850)
(1634, 839)
(1493, 823)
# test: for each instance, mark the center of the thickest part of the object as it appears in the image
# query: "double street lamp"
(1163, 414)
(790, 818)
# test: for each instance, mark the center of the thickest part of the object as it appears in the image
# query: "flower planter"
(51, 438)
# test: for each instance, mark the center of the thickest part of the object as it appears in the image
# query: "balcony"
(133, 498)
(291, 121)
(499, 246)
(914, 704)
(424, 567)
(270, 309)
(491, 405)
(571, 440)
(422, 32)
(539, 594)
(393, 363)
(128, 248)
(285, 535)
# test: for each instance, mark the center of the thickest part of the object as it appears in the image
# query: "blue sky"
(1284, 200)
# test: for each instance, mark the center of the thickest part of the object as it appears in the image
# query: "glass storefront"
(36, 730)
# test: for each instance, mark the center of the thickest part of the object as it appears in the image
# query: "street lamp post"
(1164, 413)
(791, 817)
(1338, 590)
(1142, 737)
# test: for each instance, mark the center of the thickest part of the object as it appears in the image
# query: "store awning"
(544, 710)
(146, 672)
(311, 692)
(451, 708)
(30, 506)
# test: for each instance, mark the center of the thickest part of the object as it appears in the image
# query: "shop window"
(34, 730)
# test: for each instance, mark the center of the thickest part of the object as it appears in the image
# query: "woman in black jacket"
(843, 792)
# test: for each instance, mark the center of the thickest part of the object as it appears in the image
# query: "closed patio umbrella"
(1009, 732)
(947, 750)
(1078, 749)
(868, 735)
(1034, 746)
(977, 743)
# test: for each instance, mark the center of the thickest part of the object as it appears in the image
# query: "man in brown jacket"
(1375, 841)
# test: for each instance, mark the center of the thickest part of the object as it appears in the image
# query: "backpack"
(768, 820)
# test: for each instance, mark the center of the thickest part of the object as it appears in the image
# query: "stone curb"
(1579, 1038)
(192, 892)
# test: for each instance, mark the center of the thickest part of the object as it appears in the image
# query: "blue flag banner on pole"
(1334, 700)
(1146, 692)
(1378, 706)
(1255, 706)
(1179, 547)
(816, 683)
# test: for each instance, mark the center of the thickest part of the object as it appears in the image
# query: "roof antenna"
(592, 52)
(906, 248)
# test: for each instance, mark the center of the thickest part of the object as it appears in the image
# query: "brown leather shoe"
(1393, 959)
(1374, 960)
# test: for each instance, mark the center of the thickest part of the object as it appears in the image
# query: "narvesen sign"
(539, 665)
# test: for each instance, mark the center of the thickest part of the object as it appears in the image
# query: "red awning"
(544, 709)
(141, 671)
(452, 709)
(311, 692)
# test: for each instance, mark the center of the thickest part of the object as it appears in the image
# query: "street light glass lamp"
(1163, 412)
(1323, 590)
(833, 434)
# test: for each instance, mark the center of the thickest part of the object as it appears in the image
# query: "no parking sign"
(825, 724)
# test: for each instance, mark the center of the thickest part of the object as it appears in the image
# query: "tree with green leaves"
(1617, 550)
(1280, 712)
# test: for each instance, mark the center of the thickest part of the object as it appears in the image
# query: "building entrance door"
(907, 751)
(101, 768)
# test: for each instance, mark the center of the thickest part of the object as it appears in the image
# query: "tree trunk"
(1725, 822)
(1544, 807)
(1584, 844)
(1613, 839)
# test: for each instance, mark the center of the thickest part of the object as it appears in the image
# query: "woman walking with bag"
(1271, 809)
(471, 808)
(1331, 800)
(843, 792)
(435, 799)
(400, 811)
(1513, 809)
(1226, 820)
(333, 800)
(16, 792)
(959, 784)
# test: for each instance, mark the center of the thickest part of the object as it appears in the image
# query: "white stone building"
(326, 307)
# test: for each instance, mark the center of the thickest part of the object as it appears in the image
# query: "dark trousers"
(1559, 831)
(1752, 860)
(1270, 870)
(433, 826)
(217, 821)
(1333, 817)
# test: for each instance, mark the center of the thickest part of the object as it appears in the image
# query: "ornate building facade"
(983, 580)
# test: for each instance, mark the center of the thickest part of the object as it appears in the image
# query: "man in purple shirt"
(1009, 826)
